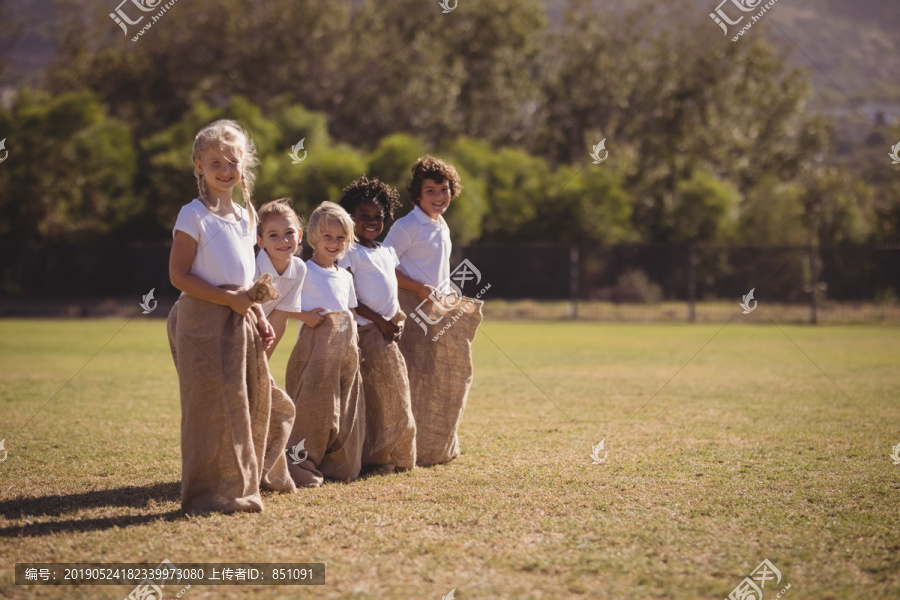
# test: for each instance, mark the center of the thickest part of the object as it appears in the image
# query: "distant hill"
(852, 48)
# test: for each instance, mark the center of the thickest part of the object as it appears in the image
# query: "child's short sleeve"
(398, 238)
(394, 258)
(188, 221)
(348, 260)
(353, 302)
(290, 302)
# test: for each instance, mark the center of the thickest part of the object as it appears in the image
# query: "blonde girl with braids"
(218, 335)
(214, 236)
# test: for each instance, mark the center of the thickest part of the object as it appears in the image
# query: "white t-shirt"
(224, 248)
(288, 283)
(423, 247)
(329, 289)
(375, 279)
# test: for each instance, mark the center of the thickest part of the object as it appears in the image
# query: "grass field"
(726, 446)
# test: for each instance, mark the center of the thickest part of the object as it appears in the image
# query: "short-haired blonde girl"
(323, 371)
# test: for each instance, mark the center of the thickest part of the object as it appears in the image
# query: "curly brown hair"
(429, 167)
(370, 189)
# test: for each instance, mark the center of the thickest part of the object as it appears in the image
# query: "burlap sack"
(323, 381)
(390, 440)
(232, 433)
(275, 474)
(437, 346)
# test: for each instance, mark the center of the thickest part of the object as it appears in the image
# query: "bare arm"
(181, 259)
(404, 282)
(388, 330)
(278, 320)
(367, 313)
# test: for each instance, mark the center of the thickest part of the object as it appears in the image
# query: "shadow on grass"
(82, 525)
(52, 506)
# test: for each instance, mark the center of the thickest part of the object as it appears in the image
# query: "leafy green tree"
(467, 211)
(70, 169)
(441, 75)
(514, 184)
(588, 205)
(837, 208)
(322, 176)
(392, 159)
(206, 51)
(772, 214)
(705, 210)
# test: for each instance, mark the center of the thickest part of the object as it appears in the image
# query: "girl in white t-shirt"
(278, 237)
(218, 335)
(390, 442)
(323, 370)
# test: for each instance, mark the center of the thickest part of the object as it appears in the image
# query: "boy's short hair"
(320, 216)
(370, 189)
(429, 167)
(282, 208)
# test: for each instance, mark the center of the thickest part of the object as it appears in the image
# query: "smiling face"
(279, 240)
(331, 244)
(368, 218)
(221, 169)
(435, 198)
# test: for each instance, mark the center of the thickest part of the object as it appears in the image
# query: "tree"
(514, 184)
(206, 51)
(70, 169)
(772, 214)
(441, 75)
(392, 158)
(588, 205)
(705, 211)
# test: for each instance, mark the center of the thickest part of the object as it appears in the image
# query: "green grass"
(748, 452)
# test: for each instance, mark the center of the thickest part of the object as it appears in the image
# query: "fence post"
(692, 282)
(813, 283)
(573, 282)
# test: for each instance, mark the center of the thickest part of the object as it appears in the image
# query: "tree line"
(709, 141)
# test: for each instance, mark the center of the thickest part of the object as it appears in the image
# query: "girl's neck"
(365, 242)
(322, 261)
(280, 265)
(218, 203)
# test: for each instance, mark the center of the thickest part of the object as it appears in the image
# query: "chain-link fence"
(534, 281)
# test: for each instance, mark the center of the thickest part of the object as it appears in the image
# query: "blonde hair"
(319, 218)
(281, 208)
(229, 134)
